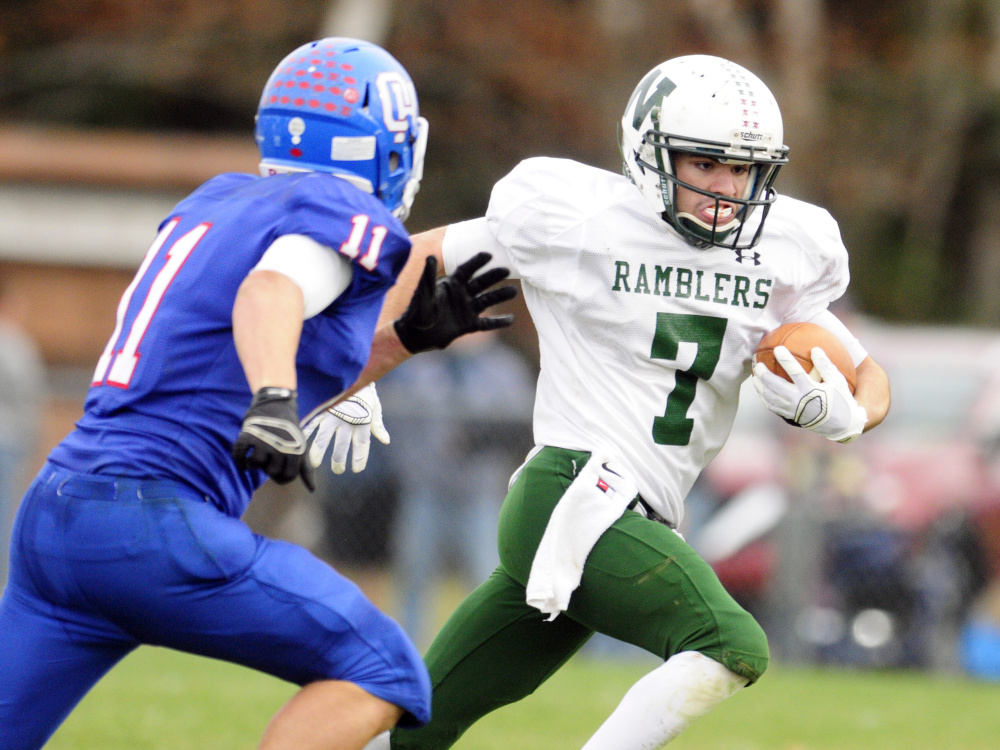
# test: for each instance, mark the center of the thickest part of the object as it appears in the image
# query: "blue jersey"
(169, 393)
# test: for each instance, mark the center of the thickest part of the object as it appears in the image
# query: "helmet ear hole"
(393, 161)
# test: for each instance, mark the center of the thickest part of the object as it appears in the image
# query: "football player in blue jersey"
(256, 304)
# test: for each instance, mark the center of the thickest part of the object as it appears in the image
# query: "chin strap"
(719, 233)
(416, 171)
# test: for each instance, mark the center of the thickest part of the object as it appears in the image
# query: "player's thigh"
(53, 646)
(526, 510)
(217, 589)
(332, 630)
(47, 664)
(643, 584)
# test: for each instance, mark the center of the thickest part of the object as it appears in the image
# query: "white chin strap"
(416, 171)
(734, 222)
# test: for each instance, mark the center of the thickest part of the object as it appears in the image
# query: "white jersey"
(644, 340)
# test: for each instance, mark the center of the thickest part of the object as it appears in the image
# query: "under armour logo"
(751, 258)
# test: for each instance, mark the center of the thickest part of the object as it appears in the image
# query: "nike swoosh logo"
(610, 470)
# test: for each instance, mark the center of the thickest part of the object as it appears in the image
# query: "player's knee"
(745, 650)
(733, 638)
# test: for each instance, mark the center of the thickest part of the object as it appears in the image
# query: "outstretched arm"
(421, 312)
(424, 312)
(388, 351)
(424, 245)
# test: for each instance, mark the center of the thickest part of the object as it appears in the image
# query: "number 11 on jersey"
(126, 358)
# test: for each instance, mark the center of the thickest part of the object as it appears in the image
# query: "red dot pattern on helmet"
(329, 83)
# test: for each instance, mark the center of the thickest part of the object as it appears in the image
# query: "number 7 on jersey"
(674, 427)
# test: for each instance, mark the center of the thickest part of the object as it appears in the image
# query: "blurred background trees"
(891, 108)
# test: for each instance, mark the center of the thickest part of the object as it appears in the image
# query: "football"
(800, 338)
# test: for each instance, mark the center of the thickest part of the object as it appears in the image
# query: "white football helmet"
(709, 106)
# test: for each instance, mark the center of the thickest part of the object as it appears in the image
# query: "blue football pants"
(100, 565)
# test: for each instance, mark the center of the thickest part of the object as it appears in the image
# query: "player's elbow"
(873, 391)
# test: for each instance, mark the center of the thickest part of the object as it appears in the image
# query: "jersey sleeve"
(356, 225)
(335, 343)
(834, 325)
(320, 272)
(537, 213)
(467, 238)
(821, 274)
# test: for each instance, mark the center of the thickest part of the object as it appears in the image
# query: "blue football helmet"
(346, 107)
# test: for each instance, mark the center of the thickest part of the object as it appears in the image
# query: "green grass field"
(160, 700)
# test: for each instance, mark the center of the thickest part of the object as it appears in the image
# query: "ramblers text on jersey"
(684, 283)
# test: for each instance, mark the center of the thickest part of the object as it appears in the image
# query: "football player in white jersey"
(649, 292)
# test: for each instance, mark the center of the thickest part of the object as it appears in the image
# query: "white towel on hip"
(595, 500)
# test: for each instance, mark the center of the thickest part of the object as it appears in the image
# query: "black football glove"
(272, 440)
(443, 309)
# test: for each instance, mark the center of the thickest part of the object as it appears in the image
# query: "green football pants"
(641, 584)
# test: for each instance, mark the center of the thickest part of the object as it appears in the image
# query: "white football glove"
(348, 423)
(826, 406)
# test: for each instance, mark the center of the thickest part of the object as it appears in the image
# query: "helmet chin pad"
(719, 229)
(705, 230)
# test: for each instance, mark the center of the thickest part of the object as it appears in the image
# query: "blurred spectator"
(22, 384)
(460, 421)
(347, 520)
